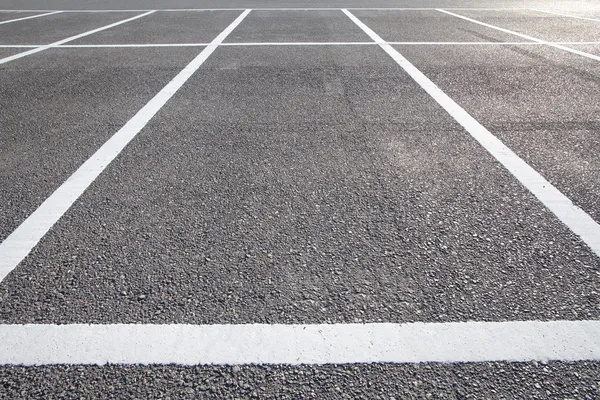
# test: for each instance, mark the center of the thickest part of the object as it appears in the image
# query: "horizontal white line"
(142, 45)
(487, 43)
(566, 15)
(222, 44)
(30, 17)
(277, 9)
(521, 35)
(299, 344)
(87, 46)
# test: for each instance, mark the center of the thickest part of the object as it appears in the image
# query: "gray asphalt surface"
(583, 6)
(297, 26)
(55, 27)
(407, 26)
(6, 16)
(59, 106)
(300, 184)
(374, 381)
(540, 25)
(538, 100)
(167, 27)
(5, 52)
(292, 187)
(588, 48)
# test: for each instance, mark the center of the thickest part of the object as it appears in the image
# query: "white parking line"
(20, 242)
(299, 344)
(565, 15)
(222, 44)
(30, 17)
(84, 46)
(558, 46)
(142, 45)
(69, 39)
(280, 9)
(572, 216)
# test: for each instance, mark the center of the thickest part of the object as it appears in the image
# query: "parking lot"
(304, 202)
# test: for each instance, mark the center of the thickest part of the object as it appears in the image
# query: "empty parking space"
(298, 193)
(550, 27)
(426, 26)
(289, 186)
(297, 26)
(540, 101)
(59, 106)
(166, 27)
(56, 27)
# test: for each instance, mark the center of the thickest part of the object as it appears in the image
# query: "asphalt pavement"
(281, 167)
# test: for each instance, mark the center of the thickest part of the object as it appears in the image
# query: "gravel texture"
(6, 16)
(540, 101)
(304, 186)
(552, 380)
(166, 27)
(59, 106)
(297, 26)
(553, 28)
(407, 26)
(52, 28)
(300, 185)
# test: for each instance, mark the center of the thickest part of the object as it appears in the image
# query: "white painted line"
(131, 45)
(18, 46)
(299, 344)
(139, 10)
(558, 46)
(69, 39)
(143, 45)
(30, 17)
(462, 43)
(572, 216)
(20, 242)
(489, 43)
(565, 15)
(299, 44)
(280, 9)
(222, 44)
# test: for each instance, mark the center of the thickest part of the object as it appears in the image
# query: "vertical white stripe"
(572, 216)
(20, 242)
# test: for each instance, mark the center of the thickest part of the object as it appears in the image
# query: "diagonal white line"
(30, 17)
(20, 242)
(40, 344)
(565, 15)
(558, 46)
(572, 216)
(69, 39)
